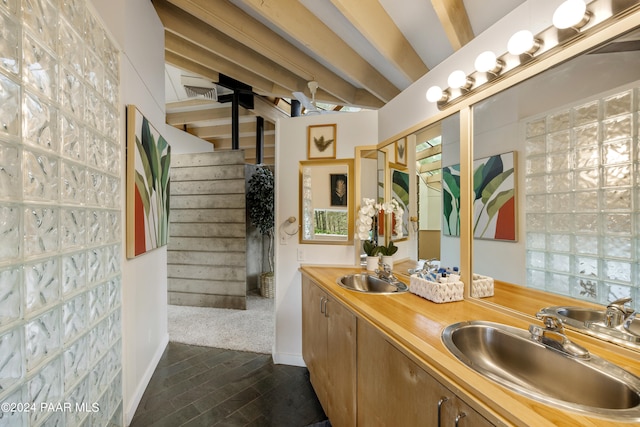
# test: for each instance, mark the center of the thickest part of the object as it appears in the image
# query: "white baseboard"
(288, 359)
(144, 382)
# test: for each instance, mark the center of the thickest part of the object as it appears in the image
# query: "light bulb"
(521, 42)
(571, 13)
(457, 79)
(486, 61)
(434, 94)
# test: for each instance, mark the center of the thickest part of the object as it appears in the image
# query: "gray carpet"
(245, 330)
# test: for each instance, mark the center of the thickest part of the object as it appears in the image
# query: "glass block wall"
(582, 200)
(60, 217)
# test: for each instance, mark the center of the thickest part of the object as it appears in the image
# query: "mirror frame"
(350, 199)
(611, 27)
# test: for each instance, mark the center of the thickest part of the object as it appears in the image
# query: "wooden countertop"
(416, 324)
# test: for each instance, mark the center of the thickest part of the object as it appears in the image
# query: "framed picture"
(400, 192)
(338, 189)
(148, 162)
(321, 142)
(494, 208)
(401, 151)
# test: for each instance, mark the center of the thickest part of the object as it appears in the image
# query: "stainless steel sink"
(368, 283)
(510, 356)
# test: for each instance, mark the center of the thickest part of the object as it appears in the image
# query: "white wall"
(353, 129)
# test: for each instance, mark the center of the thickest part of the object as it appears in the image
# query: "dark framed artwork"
(401, 151)
(339, 185)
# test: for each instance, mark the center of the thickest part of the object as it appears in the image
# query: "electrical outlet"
(300, 254)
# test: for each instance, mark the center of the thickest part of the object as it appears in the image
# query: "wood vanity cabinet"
(329, 350)
(394, 390)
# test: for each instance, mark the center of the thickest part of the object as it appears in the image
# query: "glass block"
(113, 186)
(95, 150)
(112, 262)
(559, 283)
(112, 59)
(9, 44)
(11, 358)
(586, 289)
(560, 242)
(73, 272)
(71, 49)
(95, 262)
(43, 337)
(74, 318)
(536, 241)
(586, 266)
(586, 135)
(99, 418)
(39, 123)
(536, 146)
(99, 344)
(41, 17)
(618, 104)
(72, 93)
(587, 178)
(617, 128)
(114, 229)
(614, 291)
(114, 326)
(112, 158)
(536, 279)
(535, 184)
(536, 164)
(54, 419)
(617, 270)
(39, 68)
(14, 418)
(93, 71)
(559, 141)
(73, 11)
(617, 176)
(618, 223)
(559, 262)
(114, 293)
(72, 228)
(559, 162)
(560, 182)
(9, 5)
(9, 172)
(536, 222)
(9, 106)
(536, 259)
(98, 302)
(587, 222)
(10, 296)
(115, 393)
(586, 201)
(617, 152)
(94, 35)
(559, 223)
(10, 232)
(537, 127)
(96, 227)
(560, 202)
(72, 138)
(93, 113)
(78, 396)
(42, 284)
(45, 387)
(536, 203)
(618, 199)
(587, 156)
(618, 247)
(73, 183)
(559, 121)
(586, 113)
(40, 230)
(111, 96)
(586, 245)
(40, 180)
(95, 188)
(114, 362)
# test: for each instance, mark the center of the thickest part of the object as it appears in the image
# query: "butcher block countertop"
(415, 326)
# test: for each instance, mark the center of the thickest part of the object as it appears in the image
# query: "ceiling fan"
(310, 105)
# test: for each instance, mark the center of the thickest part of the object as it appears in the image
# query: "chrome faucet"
(552, 335)
(384, 272)
(617, 313)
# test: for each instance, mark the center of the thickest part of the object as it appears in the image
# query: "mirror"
(326, 201)
(570, 136)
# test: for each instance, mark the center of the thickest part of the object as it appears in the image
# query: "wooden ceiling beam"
(180, 118)
(455, 21)
(292, 17)
(368, 16)
(428, 167)
(224, 130)
(432, 151)
(246, 142)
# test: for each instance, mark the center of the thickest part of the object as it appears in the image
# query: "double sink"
(542, 363)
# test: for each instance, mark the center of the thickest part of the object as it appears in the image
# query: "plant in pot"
(387, 253)
(371, 249)
(260, 206)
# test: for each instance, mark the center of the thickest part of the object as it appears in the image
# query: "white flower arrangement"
(369, 209)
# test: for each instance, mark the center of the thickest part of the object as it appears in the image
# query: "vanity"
(380, 359)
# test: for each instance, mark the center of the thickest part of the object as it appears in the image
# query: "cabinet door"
(341, 365)
(314, 336)
(465, 415)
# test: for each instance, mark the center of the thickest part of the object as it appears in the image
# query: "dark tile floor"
(202, 386)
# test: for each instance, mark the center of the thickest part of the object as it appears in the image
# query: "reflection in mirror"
(574, 129)
(367, 185)
(326, 201)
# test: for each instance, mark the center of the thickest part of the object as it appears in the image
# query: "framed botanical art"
(401, 151)
(321, 142)
(148, 163)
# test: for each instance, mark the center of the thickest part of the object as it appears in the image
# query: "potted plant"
(260, 206)
(387, 253)
(371, 249)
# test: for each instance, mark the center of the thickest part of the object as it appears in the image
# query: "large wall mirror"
(569, 218)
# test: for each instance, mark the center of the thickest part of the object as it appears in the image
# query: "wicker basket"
(482, 286)
(266, 285)
(436, 292)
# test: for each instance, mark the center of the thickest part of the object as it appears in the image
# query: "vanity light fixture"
(522, 43)
(487, 62)
(435, 94)
(459, 80)
(571, 14)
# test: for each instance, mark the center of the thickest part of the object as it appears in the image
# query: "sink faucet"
(616, 313)
(552, 335)
(384, 272)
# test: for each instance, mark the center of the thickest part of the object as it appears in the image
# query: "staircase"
(207, 253)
